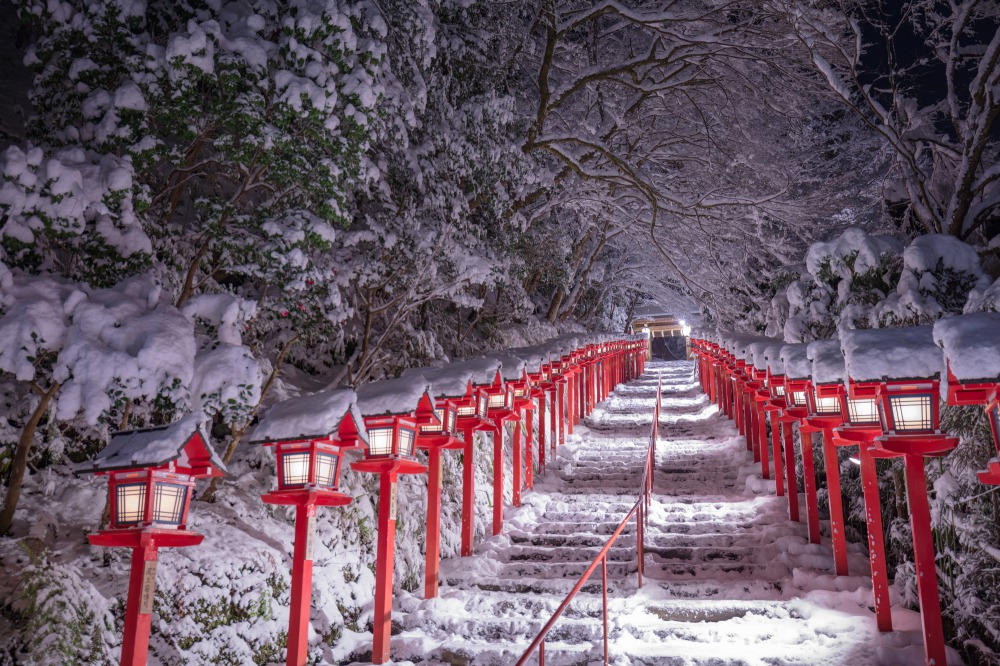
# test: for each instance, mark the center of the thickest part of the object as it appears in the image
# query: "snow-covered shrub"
(64, 618)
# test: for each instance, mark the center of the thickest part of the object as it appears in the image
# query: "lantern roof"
(392, 397)
(316, 416)
(971, 345)
(795, 358)
(827, 361)
(183, 443)
(892, 353)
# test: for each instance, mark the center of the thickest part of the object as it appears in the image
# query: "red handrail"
(641, 511)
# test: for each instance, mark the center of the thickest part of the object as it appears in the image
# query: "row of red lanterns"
(151, 472)
(885, 415)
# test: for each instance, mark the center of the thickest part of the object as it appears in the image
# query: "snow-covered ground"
(728, 579)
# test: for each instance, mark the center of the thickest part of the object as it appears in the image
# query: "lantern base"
(140, 537)
(855, 435)
(820, 423)
(439, 442)
(924, 445)
(386, 465)
(991, 475)
(473, 423)
(305, 496)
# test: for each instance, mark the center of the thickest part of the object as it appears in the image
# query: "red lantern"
(460, 383)
(388, 409)
(970, 343)
(308, 476)
(908, 398)
(151, 475)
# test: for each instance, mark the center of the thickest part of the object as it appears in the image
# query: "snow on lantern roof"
(796, 360)
(484, 369)
(827, 361)
(738, 344)
(393, 397)
(756, 352)
(772, 357)
(533, 357)
(182, 442)
(892, 353)
(971, 345)
(315, 416)
(512, 368)
(450, 380)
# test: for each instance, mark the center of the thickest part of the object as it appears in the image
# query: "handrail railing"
(640, 510)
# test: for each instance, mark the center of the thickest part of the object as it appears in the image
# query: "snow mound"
(827, 361)
(892, 353)
(865, 249)
(796, 360)
(392, 396)
(971, 345)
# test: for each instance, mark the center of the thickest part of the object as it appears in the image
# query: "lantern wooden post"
(809, 479)
(517, 465)
(139, 607)
(541, 431)
(468, 490)
(158, 465)
(835, 498)
(385, 558)
(923, 558)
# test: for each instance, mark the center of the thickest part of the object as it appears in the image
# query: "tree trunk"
(557, 299)
(20, 462)
(899, 486)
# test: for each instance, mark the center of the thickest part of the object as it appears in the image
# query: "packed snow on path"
(728, 578)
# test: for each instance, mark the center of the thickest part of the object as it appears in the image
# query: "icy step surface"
(728, 579)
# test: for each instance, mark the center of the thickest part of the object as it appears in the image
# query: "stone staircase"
(724, 568)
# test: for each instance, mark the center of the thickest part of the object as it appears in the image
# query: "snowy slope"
(728, 579)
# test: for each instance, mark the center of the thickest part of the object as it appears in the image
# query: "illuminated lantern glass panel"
(798, 398)
(912, 413)
(862, 410)
(380, 441)
(168, 503)
(482, 406)
(827, 405)
(130, 503)
(405, 442)
(779, 391)
(497, 400)
(326, 470)
(294, 469)
(467, 411)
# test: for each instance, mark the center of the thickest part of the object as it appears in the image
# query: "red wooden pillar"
(518, 463)
(788, 438)
(432, 563)
(923, 557)
(876, 540)
(498, 478)
(754, 429)
(749, 429)
(301, 592)
(779, 481)
(765, 462)
(468, 491)
(529, 454)
(570, 396)
(139, 608)
(385, 556)
(541, 432)
(560, 422)
(836, 503)
(738, 408)
(809, 478)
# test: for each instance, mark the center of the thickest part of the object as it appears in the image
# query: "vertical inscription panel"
(148, 588)
(393, 500)
(310, 537)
